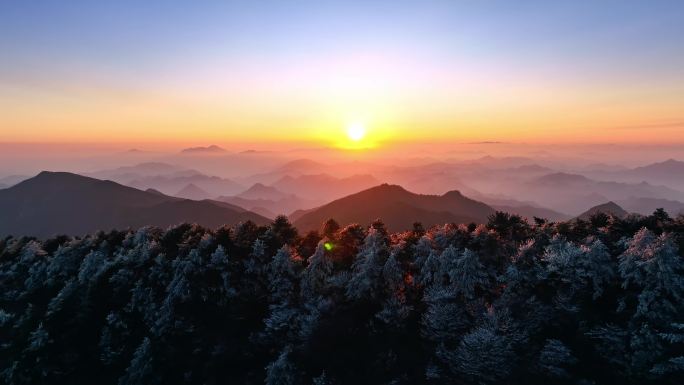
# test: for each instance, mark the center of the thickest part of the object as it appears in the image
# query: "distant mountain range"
(59, 202)
(213, 149)
(261, 191)
(11, 180)
(125, 173)
(269, 201)
(172, 184)
(669, 173)
(647, 206)
(64, 203)
(324, 187)
(572, 193)
(397, 208)
(191, 191)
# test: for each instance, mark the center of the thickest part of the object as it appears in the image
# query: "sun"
(356, 131)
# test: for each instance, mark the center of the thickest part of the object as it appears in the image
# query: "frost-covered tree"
(445, 318)
(653, 273)
(281, 276)
(282, 280)
(482, 357)
(394, 308)
(367, 268)
(315, 276)
(551, 303)
(556, 359)
(467, 274)
(140, 370)
(282, 371)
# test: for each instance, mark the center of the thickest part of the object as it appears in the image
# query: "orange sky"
(247, 73)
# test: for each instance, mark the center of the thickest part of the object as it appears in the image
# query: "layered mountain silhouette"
(324, 187)
(174, 183)
(397, 208)
(669, 173)
(572, 193)
(269, 201)
(65, 203)
(529, 212)
(646, 206)
(11, 180)
(609, 208)
(213, 149)
(191, 191)
(261, 191)
(126, 173)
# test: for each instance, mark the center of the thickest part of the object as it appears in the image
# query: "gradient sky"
(230, 71)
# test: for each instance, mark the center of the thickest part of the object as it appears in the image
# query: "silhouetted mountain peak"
(398, 208)
(453, 194)
(66, 203)
(386, 187)
(609, 208)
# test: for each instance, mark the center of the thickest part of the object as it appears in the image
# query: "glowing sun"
(356, 131)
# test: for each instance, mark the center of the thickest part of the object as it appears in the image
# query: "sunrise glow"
(356, 131)
(461, 72)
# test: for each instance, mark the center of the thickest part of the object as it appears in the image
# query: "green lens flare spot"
(328, 246)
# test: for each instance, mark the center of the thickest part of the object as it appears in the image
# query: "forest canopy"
(581, 302)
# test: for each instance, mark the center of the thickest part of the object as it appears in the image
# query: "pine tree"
(555, 359)
(141, 370)
(483, 357)
(367, 267)
(282, 371)
(315, 277)
(282, 276)
(467, 274)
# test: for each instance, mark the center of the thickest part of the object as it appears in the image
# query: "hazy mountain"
(529, 212)
(603, 167)
(261, 191)
(153, 191)
(666, 170)
(281, 206)
(11, 180)
(323, 187)
(610, 208)
(64, 203)
(213, 149)
(302, 166)
(562, 178)
(669, 173)
(397, 208)
(436, 183)
(264, 212)
(191, 191)
(572, 193)
(503, 162)
(126, 174)
(646, 206)
(171, 184)
(529, 169)
(294, 168)
(295, 215)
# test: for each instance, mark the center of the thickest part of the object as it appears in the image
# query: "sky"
(183, 72)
